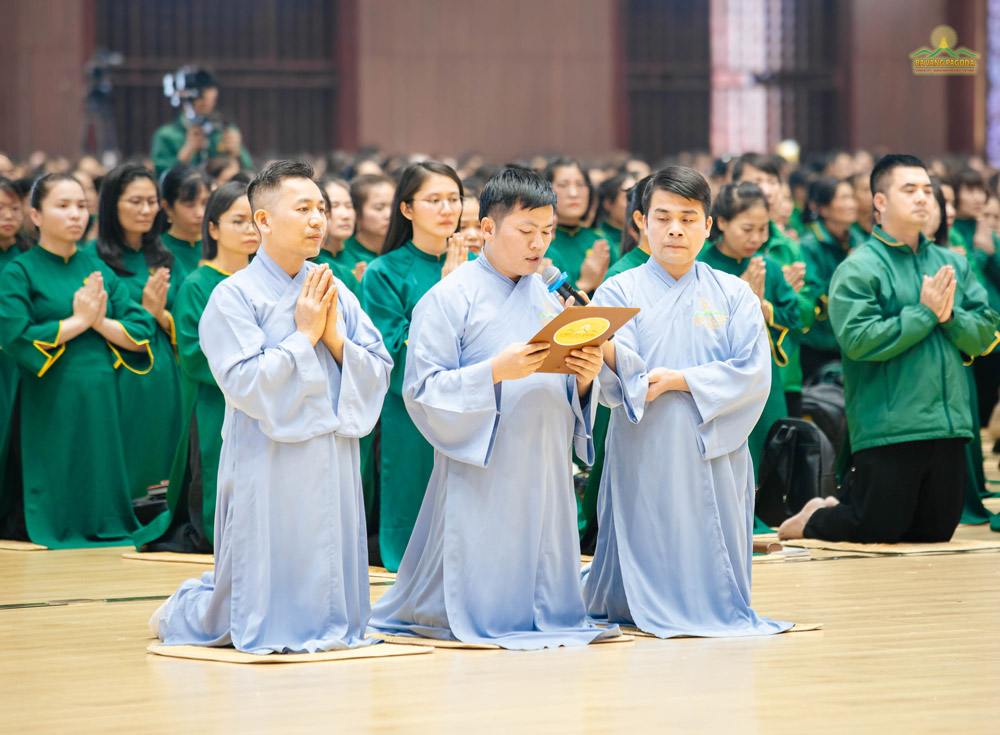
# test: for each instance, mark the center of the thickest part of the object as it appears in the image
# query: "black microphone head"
(551, 274)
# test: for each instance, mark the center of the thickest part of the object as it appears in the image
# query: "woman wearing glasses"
(228, 240)
(128, 241)
(420, 249)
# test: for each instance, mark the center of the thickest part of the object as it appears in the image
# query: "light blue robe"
(291, 554)
(495, 553)
(676, 501)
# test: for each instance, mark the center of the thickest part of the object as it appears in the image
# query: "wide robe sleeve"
(362, 381)
(972, 327)
(284, 387)
(137, 323)
(455, 407)
(584, 413)
(781, 312)
(730, 394)
(627, 385)
(32, 344)
(863, 330)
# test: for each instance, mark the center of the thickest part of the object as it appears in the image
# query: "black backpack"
(798, 464)
(823, 404)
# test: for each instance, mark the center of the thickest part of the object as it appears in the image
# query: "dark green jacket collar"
(882, 236)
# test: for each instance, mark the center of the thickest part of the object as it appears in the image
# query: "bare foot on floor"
(795, 526)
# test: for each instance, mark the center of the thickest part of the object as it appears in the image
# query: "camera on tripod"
(183, 87)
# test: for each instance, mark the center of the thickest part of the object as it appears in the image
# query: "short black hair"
(630, 233)
(732, 201)
(268, 181)
(514, 188)
(218, 204)
(967, 178)
(680, 180)
(759, 161)
(182, 183)
(883, 169)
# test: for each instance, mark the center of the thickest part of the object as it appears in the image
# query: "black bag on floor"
(798, 465)
(823, 404)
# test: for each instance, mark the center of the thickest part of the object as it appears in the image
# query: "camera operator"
(198, 133)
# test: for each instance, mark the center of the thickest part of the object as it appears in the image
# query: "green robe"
(9, 376)
(203, 407)
(973, 511)
(392, 286)
(150, 403)
(169, 139)
(571, 245)
(588, 506)
(784, 251)
(187, 254)
(613, 235)
(796, 222)
(823, 253)
(75, 485)
(354, 252)
(785, 320)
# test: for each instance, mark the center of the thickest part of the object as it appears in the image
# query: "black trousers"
(987, 372)
(913, 491)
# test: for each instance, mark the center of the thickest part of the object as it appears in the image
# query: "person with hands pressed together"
(756, 168)
(229, 238)
(582, 252)
(303, 371)
(905, 313)
(421, 248)
(687, 380)
(128, 241)
(494, 557)
(68, 322)
(740, 217)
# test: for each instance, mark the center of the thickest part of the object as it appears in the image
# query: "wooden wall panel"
(890, 106)
(41, 75)
(667, 76)
(504, 78)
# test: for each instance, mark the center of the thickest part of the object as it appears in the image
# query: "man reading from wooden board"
(494, 557)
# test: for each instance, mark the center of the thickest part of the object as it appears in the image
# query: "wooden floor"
(909, 645)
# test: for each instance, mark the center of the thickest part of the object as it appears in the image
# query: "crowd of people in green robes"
(110, 418)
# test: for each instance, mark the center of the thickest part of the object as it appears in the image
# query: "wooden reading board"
(579, 326)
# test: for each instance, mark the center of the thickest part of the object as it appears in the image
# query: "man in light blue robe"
(494, 557)
(304, 372)
(686, 380)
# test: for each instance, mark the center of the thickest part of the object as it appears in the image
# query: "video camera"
(186, 85)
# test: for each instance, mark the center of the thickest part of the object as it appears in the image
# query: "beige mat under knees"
(953, 546)
(232, 656)
(436, 643)
(379, 573)
(8, 545)
(170, 556)
(797, 628)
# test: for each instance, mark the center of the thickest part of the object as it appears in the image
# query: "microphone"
(557, 282)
